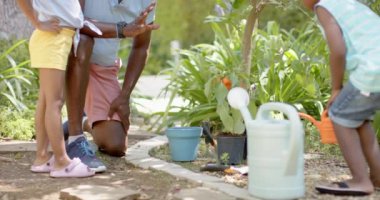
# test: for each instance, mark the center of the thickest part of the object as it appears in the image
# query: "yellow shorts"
(50, 50)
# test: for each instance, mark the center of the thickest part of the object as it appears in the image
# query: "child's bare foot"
(375, 182)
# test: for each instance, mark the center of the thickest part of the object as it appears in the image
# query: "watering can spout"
(238, 98)
(325, 127)
(311, 119)
(246, 114)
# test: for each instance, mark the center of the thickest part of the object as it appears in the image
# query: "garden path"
(149, 177)
(17, 182)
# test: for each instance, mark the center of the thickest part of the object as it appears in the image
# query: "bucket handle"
(295, 128)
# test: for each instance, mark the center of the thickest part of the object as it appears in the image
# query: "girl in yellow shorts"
(50, 45)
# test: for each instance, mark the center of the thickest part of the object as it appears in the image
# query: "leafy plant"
(15, 78)
(288, 66)
(18, 125)
(224, 158)
(199, 80)
(373, 4)
(292, 67)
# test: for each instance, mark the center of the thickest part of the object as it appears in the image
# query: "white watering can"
(275, 149)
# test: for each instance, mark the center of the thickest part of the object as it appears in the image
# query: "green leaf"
(18, 104)
(221, 93)
(21, 42)
(223, 111)
(252, 108)
(290, 55)
(310, 88)
(239, 126)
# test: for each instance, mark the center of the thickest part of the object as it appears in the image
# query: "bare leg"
(351, 147)
(110, 137)
(77, 76)
(52, 86)
(42, 154)
(371, 151)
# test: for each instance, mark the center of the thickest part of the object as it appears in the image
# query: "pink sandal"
(44, 168)
(75, 169)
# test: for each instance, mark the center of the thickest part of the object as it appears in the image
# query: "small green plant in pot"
(229, 129)
(202, 78)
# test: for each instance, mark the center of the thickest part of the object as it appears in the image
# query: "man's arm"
(132, 29)
(136, 63)
(337, 48)
(108, 29)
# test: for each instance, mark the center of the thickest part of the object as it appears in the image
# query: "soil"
(319, 168)
(17, 182)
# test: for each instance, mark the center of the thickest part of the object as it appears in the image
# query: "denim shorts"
(352, 107)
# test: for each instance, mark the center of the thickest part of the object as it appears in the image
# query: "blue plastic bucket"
(184, 142)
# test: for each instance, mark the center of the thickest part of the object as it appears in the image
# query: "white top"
(69, 12)
(105, 51)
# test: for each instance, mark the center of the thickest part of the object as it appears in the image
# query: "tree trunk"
(13, 23)
(251, 25)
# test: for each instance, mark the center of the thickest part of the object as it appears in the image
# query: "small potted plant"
(202, 79)
(229, 128)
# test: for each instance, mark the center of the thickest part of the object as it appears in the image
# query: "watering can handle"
(296, 129)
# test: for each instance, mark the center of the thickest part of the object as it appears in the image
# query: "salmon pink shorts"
(103, 88)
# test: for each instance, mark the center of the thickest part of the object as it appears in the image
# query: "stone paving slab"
(138, 155)
(90, 192)
(17, 146)
(201, 193)
(135, 132)
(23, 146)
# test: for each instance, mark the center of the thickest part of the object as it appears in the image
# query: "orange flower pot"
(325, 127)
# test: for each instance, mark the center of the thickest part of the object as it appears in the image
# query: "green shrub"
(287, 67)
(291, 67)
(17, 81)
(373, 4)
(18, 125)
(18, 91)
(198, 80)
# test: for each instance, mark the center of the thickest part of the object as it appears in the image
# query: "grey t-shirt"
(105, 50)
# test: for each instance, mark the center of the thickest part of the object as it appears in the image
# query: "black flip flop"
(342, 190)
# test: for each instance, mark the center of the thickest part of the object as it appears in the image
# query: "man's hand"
(120, 105)
(51, 26)
(139, 25)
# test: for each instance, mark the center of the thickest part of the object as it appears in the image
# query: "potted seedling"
(229, 128)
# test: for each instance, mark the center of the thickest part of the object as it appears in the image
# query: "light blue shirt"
(361, 32)
(68, 12)
(105, 50)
